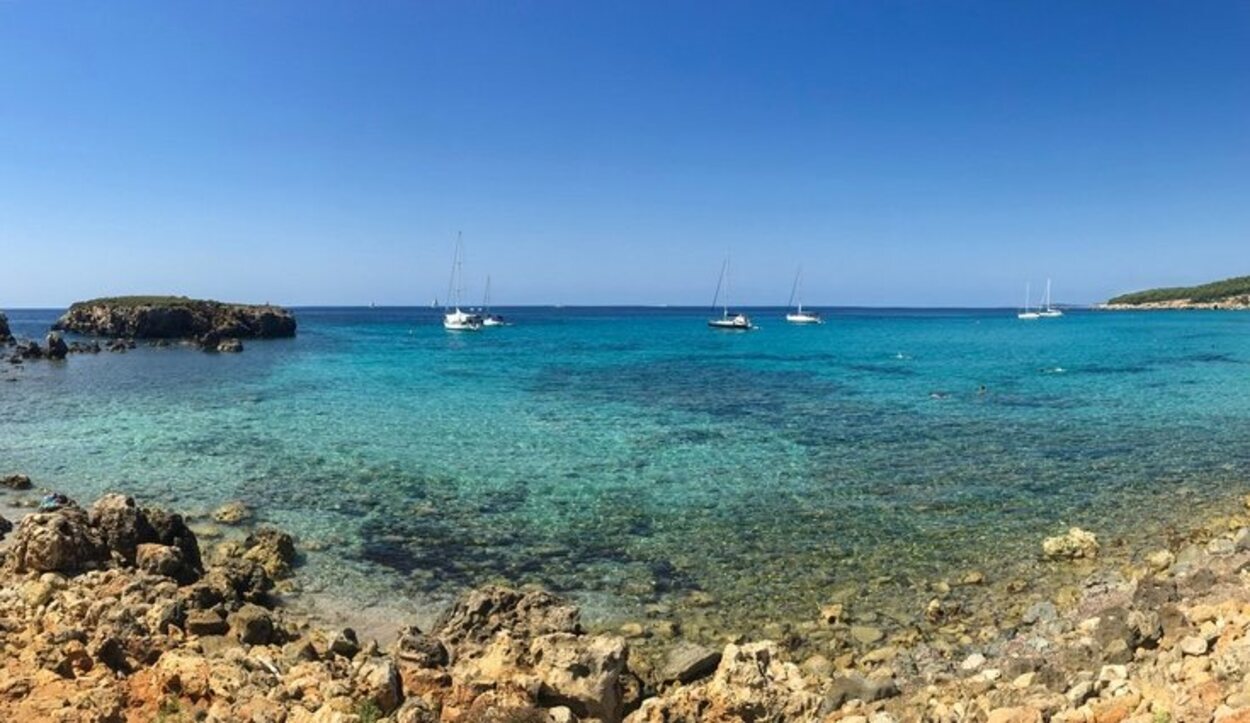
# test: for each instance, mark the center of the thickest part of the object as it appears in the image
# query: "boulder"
(1075, 544)
(122, 526)
(164, 560)
(172, 530)
(687, 661)
(60, 540)
(5, 527)
(751, 683)
(15, 482)
(482, 613)
(57, 348)
(206, 622)
(418, 649)
(5, 334)
(272, 549)
(230, 346)
(581, 673)
(232, 513)
(377, 680)
(252, 624)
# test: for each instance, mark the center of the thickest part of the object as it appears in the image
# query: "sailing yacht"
(1047, 311)
(453, 318)
(798, 316)
(1026, 314)
(732, 322)
(489, 319)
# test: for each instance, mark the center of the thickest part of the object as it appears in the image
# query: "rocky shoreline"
(114, 612)
(1232, 303)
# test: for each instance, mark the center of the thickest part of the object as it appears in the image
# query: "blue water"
(631, 456)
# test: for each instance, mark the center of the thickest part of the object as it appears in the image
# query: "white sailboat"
(489, 319)
(453, 318)
(798, 316)
(1047, 311)
(1026, 314)
(731, 322)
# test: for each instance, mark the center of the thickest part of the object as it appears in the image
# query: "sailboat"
(732, 322)
(1026, 314)
(798, 316)
(1047, 311)
(453, 318)
(489, 319)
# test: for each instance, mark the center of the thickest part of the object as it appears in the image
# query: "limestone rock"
(272, 549)
(62, 540)
(175, 318)
(164, 560)
(122, 525)
(689, 661)
(484, 612)
(580, 673)
(377, 680)
(232, 513)
(252, 624)
(1073, 545)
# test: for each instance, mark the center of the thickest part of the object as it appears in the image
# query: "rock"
(1160, 560)
(121, 525)
(688, 661)
(481, 614)
(1193, 645)
(5, 527)
(1014, 715)
(57, 348)
(62, 540)
(206, 622)
(1074, 545)
(171, 317)
(232, 513)
(6, 334)
(252, 625)
(845, 688)
(377, 680)
(416, 648)
(171, 530)
(832, 613)
(1221, 547)
(866, 634)
(164, 560)
(972, 662)
(230, 346)
(272, 549)
(580, 673)
(345, 643)
(15, 482)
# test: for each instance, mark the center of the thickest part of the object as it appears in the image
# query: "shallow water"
(631, 456)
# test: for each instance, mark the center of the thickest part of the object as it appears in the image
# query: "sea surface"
(632, 457)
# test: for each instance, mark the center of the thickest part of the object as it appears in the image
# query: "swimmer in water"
(982, 391)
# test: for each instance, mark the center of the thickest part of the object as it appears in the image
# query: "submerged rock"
(232, 513)
(1073, 545)
(15, 482)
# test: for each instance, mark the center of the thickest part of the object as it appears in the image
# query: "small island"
(175, 317)
(1231, 293)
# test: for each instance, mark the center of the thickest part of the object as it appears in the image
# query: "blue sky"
(907, 153)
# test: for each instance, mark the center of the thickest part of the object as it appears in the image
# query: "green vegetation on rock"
(1204, 293)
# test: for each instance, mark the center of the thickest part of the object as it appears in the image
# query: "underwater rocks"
(15, 482)
(232, 513)
(175, 317)
(1075, 544)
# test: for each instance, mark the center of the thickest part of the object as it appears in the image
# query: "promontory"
(1231, 293)
(175, 317)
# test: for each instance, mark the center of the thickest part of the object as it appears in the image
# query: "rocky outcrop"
(5, 334)
(16, 482)
(140, 317)
(1075, 544)
(57, 348)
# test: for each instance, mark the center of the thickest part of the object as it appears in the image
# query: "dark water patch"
(883, 369)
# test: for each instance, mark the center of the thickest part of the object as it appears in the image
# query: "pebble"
(866, 635)
(1160, 560)
(972, 662)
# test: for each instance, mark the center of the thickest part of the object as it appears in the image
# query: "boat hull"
(804, 319)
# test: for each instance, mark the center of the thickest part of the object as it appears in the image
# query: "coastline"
(979, 644)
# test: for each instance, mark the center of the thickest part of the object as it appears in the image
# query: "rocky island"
(1231, 293)
(176, 317)
(113, 612)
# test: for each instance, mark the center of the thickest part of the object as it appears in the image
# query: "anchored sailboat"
(732, 322)
(1026, 314)
(798, 316)
(1047, 311)
(453, 318)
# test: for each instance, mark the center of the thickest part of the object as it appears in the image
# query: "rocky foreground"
(115, 613)
(176, 317)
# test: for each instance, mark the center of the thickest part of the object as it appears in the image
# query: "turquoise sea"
(632, 456)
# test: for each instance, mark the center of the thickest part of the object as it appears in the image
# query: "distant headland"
(175, 317)
(1231, 293)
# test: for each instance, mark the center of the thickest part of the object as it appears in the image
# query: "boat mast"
(794, 290)
(486, 296)
(453, 284)
(1047, 294)
(719, 283)
(1026, 296)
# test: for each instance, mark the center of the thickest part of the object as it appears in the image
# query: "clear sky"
(907, 153)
